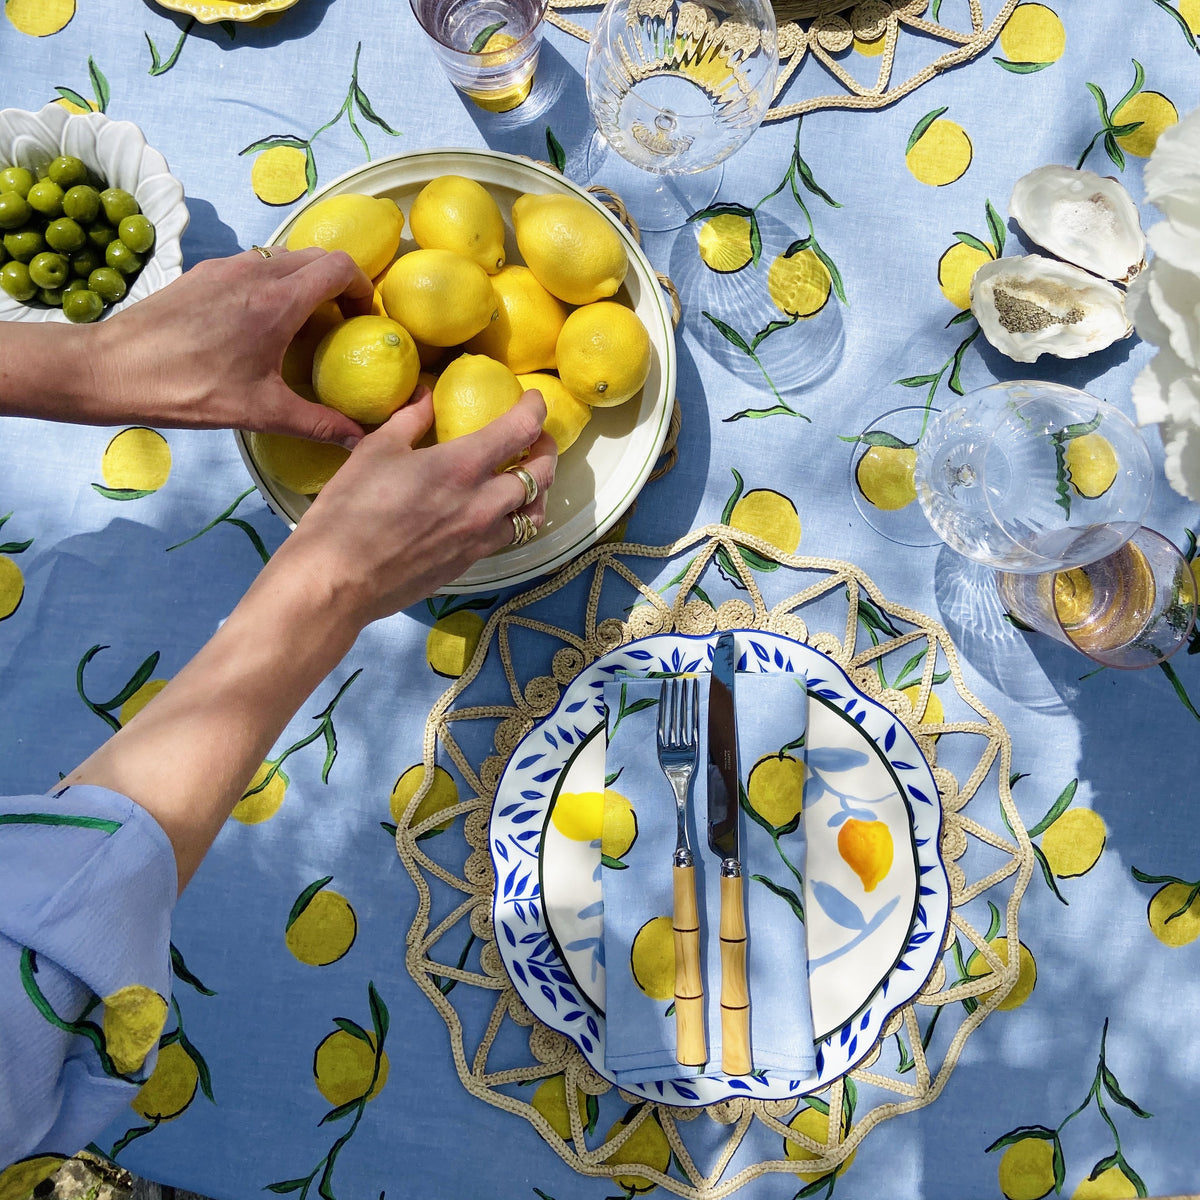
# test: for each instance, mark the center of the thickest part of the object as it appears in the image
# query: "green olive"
(65, 235)
(49, 270)
(76, 285)
(119, 256)
(137, 233)
(14, 279)
(51, 296)
(82, 305)
(108, 284)
(118, 204)
(14, 210)
(66, 170)
(46, 197)
(101, 234)
(81, 203)
(16, 179)
(23, 244)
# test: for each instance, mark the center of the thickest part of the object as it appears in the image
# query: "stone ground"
(90, 1178)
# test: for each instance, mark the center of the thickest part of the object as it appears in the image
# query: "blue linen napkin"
(772, 714)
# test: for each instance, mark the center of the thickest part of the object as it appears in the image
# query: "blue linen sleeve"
(87, 889)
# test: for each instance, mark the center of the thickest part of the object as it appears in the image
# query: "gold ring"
(262, 250)
(528, 481)
(524, 529)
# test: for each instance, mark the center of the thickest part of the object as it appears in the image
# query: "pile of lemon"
(454, 315)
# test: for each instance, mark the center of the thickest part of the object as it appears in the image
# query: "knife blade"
(723, 839)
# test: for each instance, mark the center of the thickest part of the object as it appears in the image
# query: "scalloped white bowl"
(118, 153)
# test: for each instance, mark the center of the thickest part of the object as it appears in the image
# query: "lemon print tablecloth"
(825, 288)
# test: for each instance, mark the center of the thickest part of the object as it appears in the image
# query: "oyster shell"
(1082, 217)
(1033, 305)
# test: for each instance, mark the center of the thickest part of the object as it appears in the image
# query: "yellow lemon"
(770, 516)
(648, 1146)
(1189, 10)
(366, 367)
(442, 794)
(885, 477)
(571, 246)
(872, 48)
(367, 228)
(724, 242)
(451, 643)
(603, 353)
(324, 930)
(18, 1180)
(1174, 930)
(39, 18)
(279, 175)
(527, 324)
(977, 966)
(565, 415)
(251, 810)
(1033, 34)
(342, 1068)
(1074, 597)
(1110, 1184)
(171, 1086)
(956, 269)
(1027, 1169)
(933, 714)
(12, 586)
(472, 392)
(140, 699)
(453, 213)
(440, 297)
(620, 825)
(941, 155)
(579, 815)
(133, 1019)
(867, 848)
(137, 459)
(652, 959)
(775, 788)
(550, 1099)
(1074, 841)
(74, 108)
(1155, 112)
(297, 463)
(1091, 464)
(505, 98)
(799, 284)
(814, 1124)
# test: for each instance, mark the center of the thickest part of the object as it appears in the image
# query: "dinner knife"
(723, 811)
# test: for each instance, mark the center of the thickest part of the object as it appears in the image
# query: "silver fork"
(678, 755)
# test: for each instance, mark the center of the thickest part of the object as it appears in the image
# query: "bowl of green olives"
(90, 216)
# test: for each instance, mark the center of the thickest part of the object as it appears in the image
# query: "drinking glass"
(488, 48)
(1033, 477)
(675, 87)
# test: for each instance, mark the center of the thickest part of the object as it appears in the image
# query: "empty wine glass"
(675, 87)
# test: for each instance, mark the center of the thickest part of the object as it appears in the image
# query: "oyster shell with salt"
(1082, 217)
(1034, 305)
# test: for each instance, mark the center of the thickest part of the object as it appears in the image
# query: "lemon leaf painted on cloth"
(1059, 807)
(100, 823)
(555, 152)
(1181, 21)
(1021, 68)
(353, 1028)
(123, 493)
(227, 518)
(1020, 1134)
(730, 334)
(484, 35)
(1180, 690)
(277, 139)
(103, 709)
(159, 65)
(879, 437)
(773, 327)
(1048, 874)
(806, 178)
(995, 227)
(783, 893)
(969, 239)
(100, 86)
(303, 900)
(365, 107)
(445, 985)
(288, 1185)
(181, 972)
(922, 125)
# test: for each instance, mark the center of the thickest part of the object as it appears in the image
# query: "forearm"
(47, 370)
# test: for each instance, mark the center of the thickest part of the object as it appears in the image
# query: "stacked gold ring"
(524, 529)
(528, 481)
(262, 250)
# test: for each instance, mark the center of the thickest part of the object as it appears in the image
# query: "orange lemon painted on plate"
(652, 959)
(39, 18)
(977, 966)
(343, 1065)
(1171, 926)
(1154, 111)
(1033, 34)
(1026, 1170)
(769, 515)
(940, 153)
(136, 460)
(171, 1086)
(279, 175)
(647, 1145)
(452, 642)
(867, 848)
(442, 794)
(264, 804)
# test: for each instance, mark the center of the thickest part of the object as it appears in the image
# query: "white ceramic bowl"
(601, 474)
(118, 153)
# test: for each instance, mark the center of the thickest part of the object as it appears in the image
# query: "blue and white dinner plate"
(868, 956)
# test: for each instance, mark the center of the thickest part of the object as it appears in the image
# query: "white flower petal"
(1172, 176)
(1149, 394)
(1182, 446)
(1140, 310)
(1175, 295)
(1178, 245)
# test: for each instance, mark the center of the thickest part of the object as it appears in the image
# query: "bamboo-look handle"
(735, 996)
(690, 1048)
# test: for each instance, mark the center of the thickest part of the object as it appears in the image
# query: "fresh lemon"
(652, 959)
(647, 1145)
(39, 18)
(18, 1181)
(885, 477)
(941, 155)
(603, 353)
(343, 1065)
(171, 1086)
(472, 392)
(956, 269)
(572, 247)
(367, 228)
(799, 284)
(1033, 34)
(279, 175)
(550, 1099)
(769, 515)
(1074, 841)
(527, 325)
(452, 641)
(1091, 464)
(813, 1124)
(724, 242)
(1110, 1184)
(261, 806)
(1155, 112)
(366, 367)
(440, 297)
(867, 848)
(140, 699)
(565, 415)
(12, 586)
(302, 465)
(775, 788)
(977, 966)
(137, 459)
(453, 213)
(442, 794)
(323, 931)
(1027, 1169)
(933, 713)
(133, 1019)
(1170, 929)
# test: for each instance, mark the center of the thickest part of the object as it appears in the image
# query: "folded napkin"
(637, 883)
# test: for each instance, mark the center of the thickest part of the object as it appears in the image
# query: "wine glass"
(675, 87)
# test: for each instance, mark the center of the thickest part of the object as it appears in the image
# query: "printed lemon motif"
(297, 463)
(1111, 1184)
(933, 713)
(1189, 10)
(509, 97)
(451, 642)
(342, 1067)
(1073, 597)
(775, 789)
(813, 1124)
(140, 699)
(550, 1099)
(367, 228)
(453, 213)
(885, 477)
(1027, 1169)
(323, 931)
(12, 586)
(606, 816)
(137, 460)
(1074, 841)
(39, 18)
(440, 297)
(133, 1019)
(956, 269)
(603, 353)
(1033, 34)
(977, 967)
(524, 334)
(470, 393)
(1170, 929)
(799, 284)
(18, 1181)
(442, 794)
(871, 48)
(648, 1145)
(366, 367)
(261, 806)
(1155, 112)
(1091, 464)
(724, 243)
(652, 959)
(171, 1086)
(565, 415)
(279, 175)
(572, 248)
(941, 154)
(867, 848)
(769, 515)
